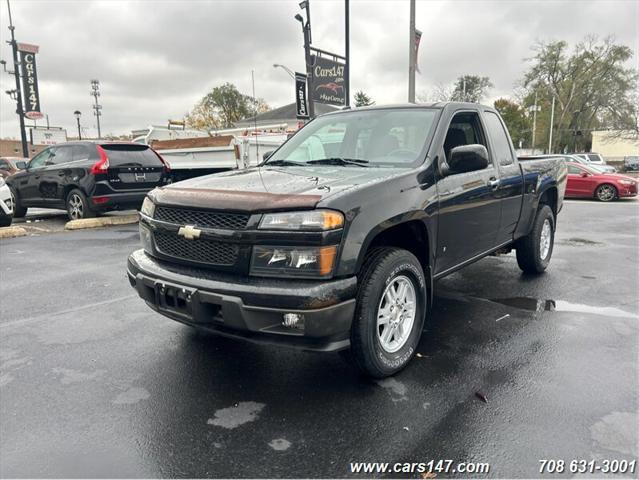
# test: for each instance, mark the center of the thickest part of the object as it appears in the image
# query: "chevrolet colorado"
(336, 239)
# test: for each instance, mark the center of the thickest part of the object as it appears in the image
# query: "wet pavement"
(93, 383)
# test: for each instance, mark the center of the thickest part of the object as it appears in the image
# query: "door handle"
(60, 174)
(493, 183)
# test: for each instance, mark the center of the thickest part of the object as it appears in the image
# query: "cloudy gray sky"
(156, 58)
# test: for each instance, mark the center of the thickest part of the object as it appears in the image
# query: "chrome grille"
(201, 218)
(198, 250)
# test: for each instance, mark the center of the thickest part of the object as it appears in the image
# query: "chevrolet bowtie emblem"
(189, 232)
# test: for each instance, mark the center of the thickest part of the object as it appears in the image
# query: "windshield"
(373, 138)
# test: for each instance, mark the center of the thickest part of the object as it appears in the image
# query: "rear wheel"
(535, 249)
(78, 206)
(18, 210)
(391, 305)
(606, 192)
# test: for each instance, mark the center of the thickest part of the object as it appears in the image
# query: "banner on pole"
(418, 38)
(30, 91)
(300, 95)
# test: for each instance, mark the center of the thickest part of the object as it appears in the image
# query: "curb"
(11, 232)
(101, 222)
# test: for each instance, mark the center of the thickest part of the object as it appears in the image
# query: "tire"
(78, 206)
(532, 255)
(18, 210)
(5, 220)
(606, 192)
(388, 269)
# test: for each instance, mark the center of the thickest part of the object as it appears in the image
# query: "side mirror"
(267, 154)
(584, 174)
(468, 158)
(21, 165)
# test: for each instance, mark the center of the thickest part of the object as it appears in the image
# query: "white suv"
(6, 204)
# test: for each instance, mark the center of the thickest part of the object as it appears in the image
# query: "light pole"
(77, 114)
(286, 69)
(412, 54)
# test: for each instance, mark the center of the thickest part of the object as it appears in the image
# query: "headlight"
(145, 238)
(148, 207)
(626, 182)
(311, 220)
(311, 262)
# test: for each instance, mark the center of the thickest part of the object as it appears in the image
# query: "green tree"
(593, 89)
(517, 122)
(471, 88)
(363, 100)
(222, 107)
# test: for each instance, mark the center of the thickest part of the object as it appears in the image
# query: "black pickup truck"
(336, 239)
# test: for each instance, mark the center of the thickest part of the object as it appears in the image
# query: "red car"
(585, 182)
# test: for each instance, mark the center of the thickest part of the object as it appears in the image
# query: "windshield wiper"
(284, 163)
(339, 161)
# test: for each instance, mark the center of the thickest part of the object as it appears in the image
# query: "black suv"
(88, 178)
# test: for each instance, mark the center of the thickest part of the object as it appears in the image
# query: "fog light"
(293, 320)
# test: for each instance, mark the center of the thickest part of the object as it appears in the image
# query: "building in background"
(614, 146)
(13, 148)
(282, 115)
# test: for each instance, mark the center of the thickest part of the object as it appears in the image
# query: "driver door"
(28, 182)
(469, 210)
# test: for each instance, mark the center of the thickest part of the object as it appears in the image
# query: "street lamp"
(285, 68)
(77, 115)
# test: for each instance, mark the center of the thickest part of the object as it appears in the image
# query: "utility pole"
(347, 87)
(16, 73)
(411, 54)
(552, 119)
(95, 93)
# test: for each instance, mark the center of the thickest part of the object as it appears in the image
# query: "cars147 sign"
(328, 81)
(30, 81)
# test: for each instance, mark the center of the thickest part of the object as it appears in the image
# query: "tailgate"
(133, 166)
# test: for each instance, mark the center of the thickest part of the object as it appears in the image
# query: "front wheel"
(606, 193)
(390, 311)
(18, 210)
(535, 249)
(5, 220)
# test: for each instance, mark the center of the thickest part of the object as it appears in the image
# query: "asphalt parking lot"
(93, 383)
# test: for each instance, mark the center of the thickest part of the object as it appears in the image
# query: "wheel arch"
(410, 232)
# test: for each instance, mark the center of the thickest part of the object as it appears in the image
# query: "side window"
(503, 154)
(4, 165)
(464, 129)
(61, 155)
(80, 152)
(40, 159)
(574, 170)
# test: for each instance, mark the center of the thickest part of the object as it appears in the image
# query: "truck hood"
(269, 188)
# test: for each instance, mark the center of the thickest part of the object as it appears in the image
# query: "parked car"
(585, 182)
(8, 165)
(335, 241)
(631, 163)
(87, 178)
(6, 204)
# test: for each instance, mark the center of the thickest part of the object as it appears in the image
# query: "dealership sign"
(328, 81)
(29, 74)
(47, 136)
(301, 107)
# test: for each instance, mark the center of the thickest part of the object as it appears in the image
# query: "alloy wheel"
(544, 239)
(76, 207)
(396, 314)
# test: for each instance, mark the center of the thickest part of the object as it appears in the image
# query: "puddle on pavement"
(538, 305)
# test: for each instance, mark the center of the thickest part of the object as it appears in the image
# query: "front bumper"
(248, 308)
